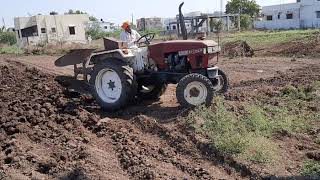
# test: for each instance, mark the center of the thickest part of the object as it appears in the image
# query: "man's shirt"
(130, 38)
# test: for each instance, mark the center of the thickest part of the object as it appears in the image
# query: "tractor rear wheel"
(194, 90)
(113, 84)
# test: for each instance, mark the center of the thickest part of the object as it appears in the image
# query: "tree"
(92, 18)
(249, 7)
(245, 21)
(75, 12)
(53, 13)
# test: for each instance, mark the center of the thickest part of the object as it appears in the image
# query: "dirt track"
(45, 133)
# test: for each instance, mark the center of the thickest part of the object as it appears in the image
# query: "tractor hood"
(159, 49)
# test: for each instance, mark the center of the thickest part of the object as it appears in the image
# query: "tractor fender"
(100, 56)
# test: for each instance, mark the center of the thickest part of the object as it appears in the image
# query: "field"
(266, 127)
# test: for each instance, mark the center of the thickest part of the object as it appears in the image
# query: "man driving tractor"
(129, 36)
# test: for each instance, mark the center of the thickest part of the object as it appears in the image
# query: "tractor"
(118, 75)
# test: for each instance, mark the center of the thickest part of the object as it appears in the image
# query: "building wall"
(52, 29)
(304, 16)
(149, 23)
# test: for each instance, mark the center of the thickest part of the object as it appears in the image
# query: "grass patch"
(311, 168)
(10, 50)
(260, 39)
(241, 136)
(248, 134)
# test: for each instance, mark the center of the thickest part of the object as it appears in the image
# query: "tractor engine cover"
(197, 52)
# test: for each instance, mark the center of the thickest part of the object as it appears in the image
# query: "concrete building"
(149, 23)
(197, 22)
(43, 29)
(102, 25)
(302, 14)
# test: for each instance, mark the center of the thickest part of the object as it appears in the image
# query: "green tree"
(8, 38)
(53, 13)
(75, 12)
(92, 18)
(245, 21)
(249, 7)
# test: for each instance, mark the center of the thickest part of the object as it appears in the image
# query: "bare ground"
(46, 134)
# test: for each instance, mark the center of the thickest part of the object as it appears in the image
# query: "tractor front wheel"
(194, 90)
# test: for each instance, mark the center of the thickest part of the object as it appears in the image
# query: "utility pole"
(132, 19)
(4, 23)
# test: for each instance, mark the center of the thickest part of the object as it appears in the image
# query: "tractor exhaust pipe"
(182, 23)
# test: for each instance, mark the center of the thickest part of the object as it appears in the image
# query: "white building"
(102, 25)
(149, 23)
(42, 29)
(302, 14)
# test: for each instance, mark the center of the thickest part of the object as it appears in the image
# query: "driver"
(130, 36)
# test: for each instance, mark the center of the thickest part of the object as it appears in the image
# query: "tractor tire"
(154, 93)
(113, 84)
(194, 90)
(224, 80)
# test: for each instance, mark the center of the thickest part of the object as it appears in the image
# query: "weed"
(311, 168)
(10, 50)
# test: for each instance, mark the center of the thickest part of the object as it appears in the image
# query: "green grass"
(241, 136)
(248, 134)
(10, 50)
(260, 39)
(311, 168)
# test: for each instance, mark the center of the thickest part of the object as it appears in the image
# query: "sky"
(115, 10)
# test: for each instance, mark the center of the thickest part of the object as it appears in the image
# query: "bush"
(245, 22)
(8, 38)
(311, 168)
(235, 135)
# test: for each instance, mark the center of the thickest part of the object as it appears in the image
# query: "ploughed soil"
(49, 133)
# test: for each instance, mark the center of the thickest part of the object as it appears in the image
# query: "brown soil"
(237, 49)
(46, 133)
(304, 47)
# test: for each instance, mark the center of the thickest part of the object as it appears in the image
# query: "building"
(149, 23)
(102, 25)
(43, 29)
(302, 14)
(197, 22)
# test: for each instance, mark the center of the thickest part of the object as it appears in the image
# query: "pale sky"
(116, 10)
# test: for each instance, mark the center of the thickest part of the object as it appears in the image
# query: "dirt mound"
(237, 49)
(46, 135)
(308, 46)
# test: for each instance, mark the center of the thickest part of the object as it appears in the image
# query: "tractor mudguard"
(213, 72)
(76, 56)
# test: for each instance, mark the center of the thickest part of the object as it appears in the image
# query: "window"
(19, 34)
(290, 16)
(300, 1)
(53, 30)
(43, 30)
(279, 15)
(269, 18)
(174, 27)
(318, 14)
(105, 27)
(72, 30)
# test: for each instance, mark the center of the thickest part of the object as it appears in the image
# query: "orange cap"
(125, 25)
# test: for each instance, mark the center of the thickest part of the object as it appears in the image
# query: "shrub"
(311, 168)
(8, 38)
(235, 135)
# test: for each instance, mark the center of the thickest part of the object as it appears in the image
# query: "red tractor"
(117, 75)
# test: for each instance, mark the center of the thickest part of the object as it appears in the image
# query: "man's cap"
(125, 25)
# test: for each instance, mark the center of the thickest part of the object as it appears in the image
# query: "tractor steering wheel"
(147, 38)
